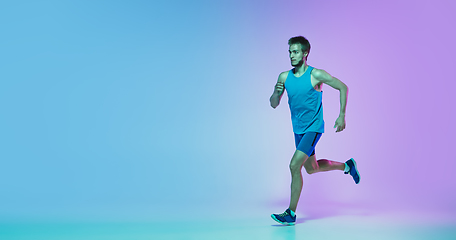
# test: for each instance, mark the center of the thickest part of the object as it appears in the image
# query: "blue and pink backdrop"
(131, 108)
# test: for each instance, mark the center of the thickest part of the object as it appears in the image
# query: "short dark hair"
(305, 45)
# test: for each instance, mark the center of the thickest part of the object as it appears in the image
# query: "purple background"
(143, 107)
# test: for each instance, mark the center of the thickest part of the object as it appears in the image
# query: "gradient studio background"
(130, 108)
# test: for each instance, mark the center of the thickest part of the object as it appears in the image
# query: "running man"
(304, 88)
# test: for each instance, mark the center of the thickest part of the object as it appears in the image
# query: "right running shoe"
(285, 218)
(353, 170)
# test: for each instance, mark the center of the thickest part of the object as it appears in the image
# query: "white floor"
(388, 226)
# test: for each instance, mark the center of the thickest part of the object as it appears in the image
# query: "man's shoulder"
(316, 72)
(283, 76)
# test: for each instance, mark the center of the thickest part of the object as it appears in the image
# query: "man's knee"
(311, 169)
(297, 162)
(295, 168)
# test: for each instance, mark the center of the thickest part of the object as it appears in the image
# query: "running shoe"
(353, 170)
(285, 218)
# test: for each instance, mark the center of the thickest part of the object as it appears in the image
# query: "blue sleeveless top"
(305, 103)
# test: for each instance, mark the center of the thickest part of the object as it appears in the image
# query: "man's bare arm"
(278, 90)
(324, 77)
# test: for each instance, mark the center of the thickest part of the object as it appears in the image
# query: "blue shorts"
(306, 142)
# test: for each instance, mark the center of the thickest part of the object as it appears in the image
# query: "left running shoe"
(353, 170)
(285, 218)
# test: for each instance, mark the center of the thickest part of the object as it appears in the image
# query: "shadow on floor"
(333, 210)
(328, 210)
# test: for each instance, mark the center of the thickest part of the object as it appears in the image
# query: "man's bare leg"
(322, 165)
(296, 178)
(312, 166)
